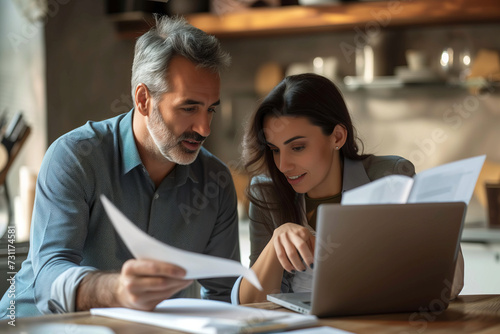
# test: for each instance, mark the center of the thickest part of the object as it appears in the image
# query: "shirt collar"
(354, 174)
(129, 154)
(179, 175)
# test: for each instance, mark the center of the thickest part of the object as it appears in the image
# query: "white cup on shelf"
(416, 60)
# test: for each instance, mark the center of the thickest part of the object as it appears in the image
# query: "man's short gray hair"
(173, 37)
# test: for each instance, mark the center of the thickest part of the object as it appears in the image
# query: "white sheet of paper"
(196, 265)
(60, 328)
(208, 316)
(318, 330)
(392, 189)
(451, 182)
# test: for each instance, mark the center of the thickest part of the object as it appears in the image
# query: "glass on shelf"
(456, 57)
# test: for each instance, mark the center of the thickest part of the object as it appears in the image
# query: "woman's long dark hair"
(304, 95)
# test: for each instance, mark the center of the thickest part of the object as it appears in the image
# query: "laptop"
(385, 258)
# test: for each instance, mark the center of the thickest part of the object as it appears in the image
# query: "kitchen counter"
(481, 234)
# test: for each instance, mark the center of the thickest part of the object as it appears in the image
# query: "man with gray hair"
(151, 164)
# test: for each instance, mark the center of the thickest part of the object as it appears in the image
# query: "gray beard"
(165, 141)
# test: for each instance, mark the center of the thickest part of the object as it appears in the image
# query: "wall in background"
(88, 67)
(428, 124)
(88, 77)
(22, 84)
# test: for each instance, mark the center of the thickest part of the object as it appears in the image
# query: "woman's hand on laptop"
(294, 247)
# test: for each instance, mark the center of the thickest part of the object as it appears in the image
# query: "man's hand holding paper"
(145, 283)
(196, 265)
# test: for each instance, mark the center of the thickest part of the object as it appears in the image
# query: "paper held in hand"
(196, 265)
(451, 182)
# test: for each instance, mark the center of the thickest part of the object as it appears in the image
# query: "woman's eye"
(189, 109)
(298, 148)
(274, 150)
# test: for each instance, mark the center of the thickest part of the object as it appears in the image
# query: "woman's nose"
(285, 164)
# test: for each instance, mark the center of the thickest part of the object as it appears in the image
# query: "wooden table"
(467, 314)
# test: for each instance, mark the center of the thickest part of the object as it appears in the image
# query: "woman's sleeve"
(458, 280)
(262, 225)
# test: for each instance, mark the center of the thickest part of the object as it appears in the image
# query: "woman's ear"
(339, 136)
(143, 99)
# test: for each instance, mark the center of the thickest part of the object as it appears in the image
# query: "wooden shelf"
(289, 20)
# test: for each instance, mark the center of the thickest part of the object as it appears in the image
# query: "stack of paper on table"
(320, 330)
(210, 317)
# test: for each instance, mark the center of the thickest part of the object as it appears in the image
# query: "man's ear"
(339, 136)
(143, 100)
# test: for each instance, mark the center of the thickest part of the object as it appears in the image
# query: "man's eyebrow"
(189, 101)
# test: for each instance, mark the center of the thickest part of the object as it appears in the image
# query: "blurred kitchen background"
(421, 79)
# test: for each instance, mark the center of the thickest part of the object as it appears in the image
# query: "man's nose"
(202, 124)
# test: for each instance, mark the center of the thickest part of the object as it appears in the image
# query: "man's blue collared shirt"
(194, 208)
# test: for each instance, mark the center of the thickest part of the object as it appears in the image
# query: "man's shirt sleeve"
(60, 217)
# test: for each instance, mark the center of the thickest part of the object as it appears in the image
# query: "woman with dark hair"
(300, 150)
